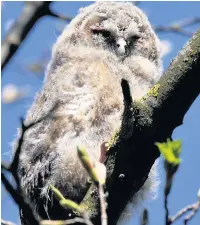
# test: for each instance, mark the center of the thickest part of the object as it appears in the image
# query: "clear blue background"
(36, 47)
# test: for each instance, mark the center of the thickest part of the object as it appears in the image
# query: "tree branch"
(31, 13)
(179, 27)
(59, 16)
(20, 200)
(147, 121)
(193, 207)
(17, 193)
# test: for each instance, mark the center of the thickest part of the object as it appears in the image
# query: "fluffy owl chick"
(105, 42)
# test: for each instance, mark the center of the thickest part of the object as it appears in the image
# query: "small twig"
(14, 193)
(195, 208)
(13, 168)
(189, 22)
(5, 222)
(17, 194)
(20, 200)
(181, 213)
(59, 16)
(145, 217)
(178, 27)
(173, 149)
(31, 13)
(167, 222)
(174, 29)
(170, 169)
(104, 219)
(167, 190)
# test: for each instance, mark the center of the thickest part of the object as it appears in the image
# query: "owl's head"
(118, 27)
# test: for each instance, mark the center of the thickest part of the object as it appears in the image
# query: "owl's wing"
(49, 153)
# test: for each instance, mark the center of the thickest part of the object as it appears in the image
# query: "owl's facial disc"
(117, 44)
(121, 45)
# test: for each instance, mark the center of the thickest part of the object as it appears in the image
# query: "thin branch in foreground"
(69, 204)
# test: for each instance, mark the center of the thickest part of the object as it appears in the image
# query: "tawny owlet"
(105, 42)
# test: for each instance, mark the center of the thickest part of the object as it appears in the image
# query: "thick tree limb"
(151, 120)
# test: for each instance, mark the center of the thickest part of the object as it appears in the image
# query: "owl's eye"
(135, 38)
(104, 33)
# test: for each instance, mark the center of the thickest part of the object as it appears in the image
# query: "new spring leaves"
(97, 172)
(95, 169)
(170, 150)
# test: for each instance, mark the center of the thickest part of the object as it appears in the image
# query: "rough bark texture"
(147, 121)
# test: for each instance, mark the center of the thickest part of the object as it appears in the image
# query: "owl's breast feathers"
(90, 97)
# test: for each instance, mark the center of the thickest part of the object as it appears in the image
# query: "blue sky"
(36, 46)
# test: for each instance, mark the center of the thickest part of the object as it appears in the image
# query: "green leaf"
(171, 151)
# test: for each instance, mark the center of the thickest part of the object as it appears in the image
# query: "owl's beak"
(121, 46)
